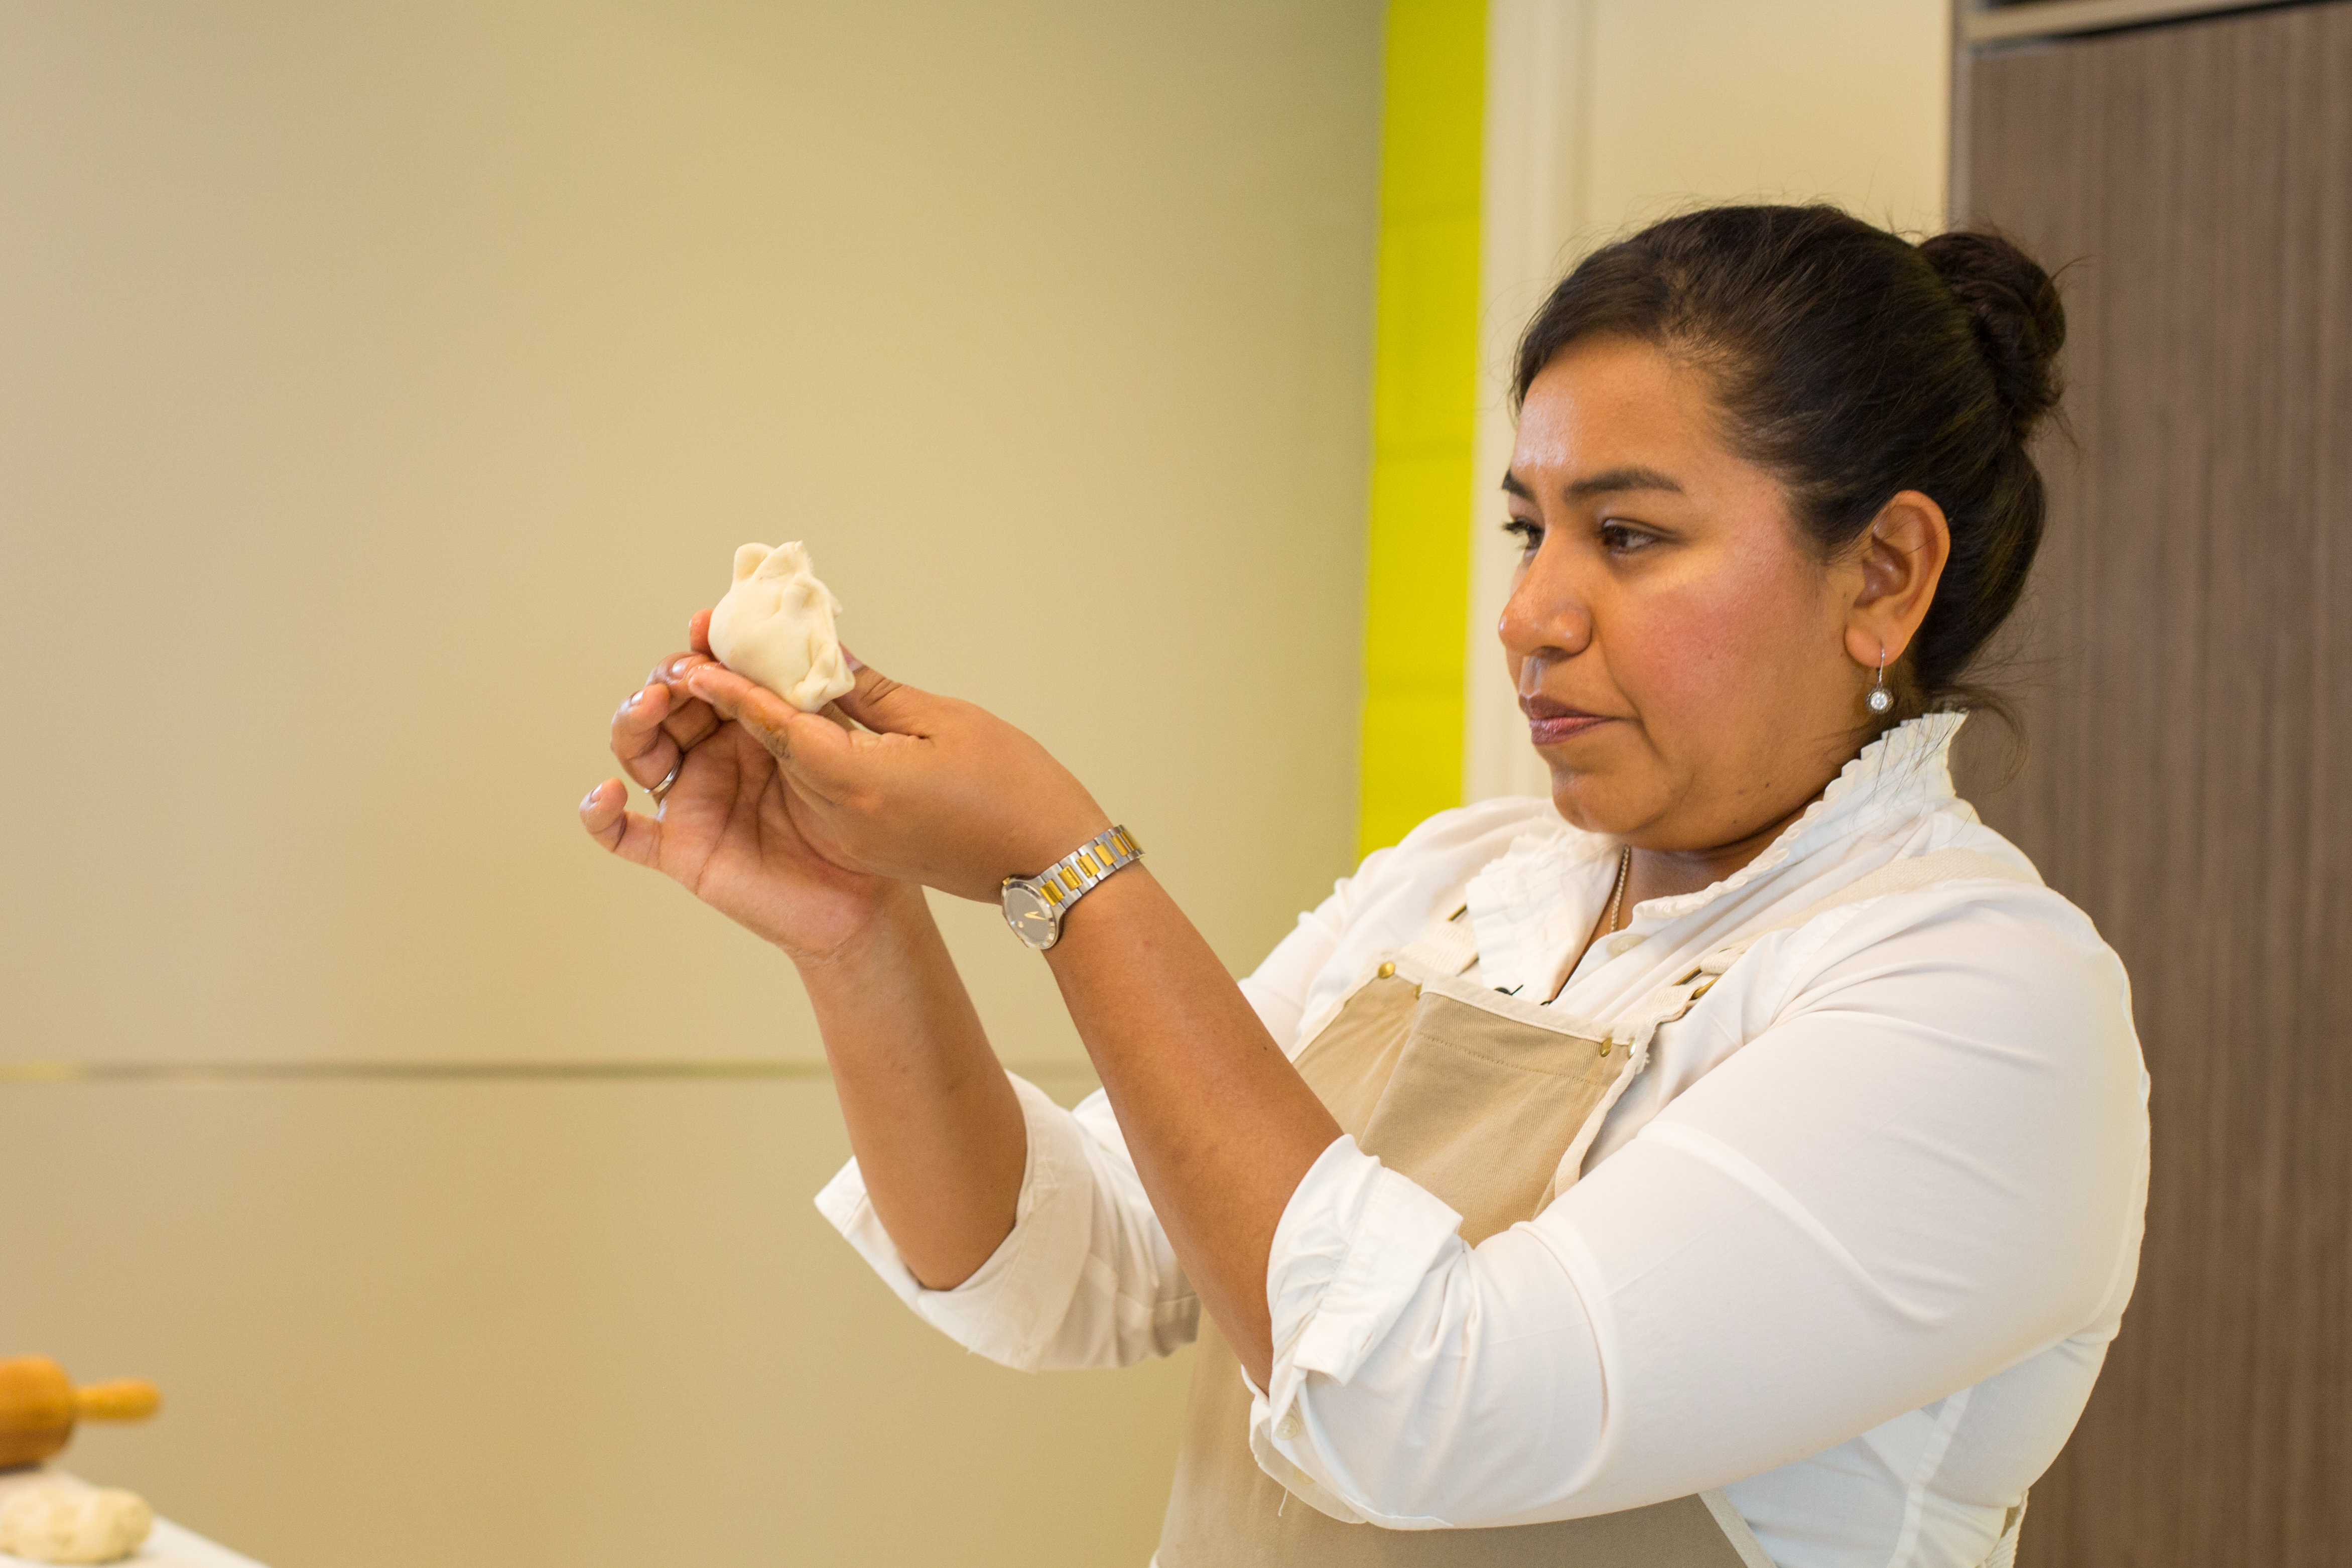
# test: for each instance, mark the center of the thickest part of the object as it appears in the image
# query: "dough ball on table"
(57, 1522)
(775, 627)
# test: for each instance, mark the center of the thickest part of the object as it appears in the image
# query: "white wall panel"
(1604, 115)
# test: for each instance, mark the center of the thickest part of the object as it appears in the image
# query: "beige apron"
(1490, 1102)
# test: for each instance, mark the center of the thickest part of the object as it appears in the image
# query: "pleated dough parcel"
(775, 627)
(63, 1521)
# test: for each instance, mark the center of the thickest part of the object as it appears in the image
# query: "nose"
(1546, 618)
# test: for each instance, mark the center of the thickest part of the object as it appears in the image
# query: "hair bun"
(2013, 304)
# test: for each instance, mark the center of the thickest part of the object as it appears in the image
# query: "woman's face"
(1679, 648)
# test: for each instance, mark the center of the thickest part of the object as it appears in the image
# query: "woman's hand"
(933, 790)
(933, 1121)
(728, 830)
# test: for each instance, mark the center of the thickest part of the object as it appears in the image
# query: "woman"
(1740, 1147)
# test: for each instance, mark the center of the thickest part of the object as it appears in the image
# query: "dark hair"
(1854, 364)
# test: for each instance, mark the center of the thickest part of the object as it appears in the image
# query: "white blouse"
(1852, 1248)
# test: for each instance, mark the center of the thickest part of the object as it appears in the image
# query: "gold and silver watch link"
(1036, 906)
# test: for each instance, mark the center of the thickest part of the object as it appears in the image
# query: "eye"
(1530, 532)
(1622, 538)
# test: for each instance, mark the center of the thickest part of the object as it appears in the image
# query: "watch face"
(1032, 919)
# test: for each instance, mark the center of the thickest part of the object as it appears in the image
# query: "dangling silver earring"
(1880, 699)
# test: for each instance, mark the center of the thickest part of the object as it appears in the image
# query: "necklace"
(1616, 897)
(1617, 893)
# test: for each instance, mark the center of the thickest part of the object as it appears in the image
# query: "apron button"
(1387, 971)
(1288, 1427)
(1605, 1048)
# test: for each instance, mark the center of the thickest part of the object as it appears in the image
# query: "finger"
(887, 706)
(698, 631)
(806, 747)
(646, 750)
(674, 667)
(605, 814)
(691, 723)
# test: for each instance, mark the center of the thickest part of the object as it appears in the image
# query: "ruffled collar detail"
(1893, 774)
(1522, 922)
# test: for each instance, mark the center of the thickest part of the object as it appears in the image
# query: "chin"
(1585, 806)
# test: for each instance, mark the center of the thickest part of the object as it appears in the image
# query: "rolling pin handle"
(124, 1399)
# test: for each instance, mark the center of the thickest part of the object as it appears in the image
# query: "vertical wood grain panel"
(2186, 680)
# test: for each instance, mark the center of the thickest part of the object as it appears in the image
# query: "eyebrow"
(1611, 480)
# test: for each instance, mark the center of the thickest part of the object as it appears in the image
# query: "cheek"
(1703, 652)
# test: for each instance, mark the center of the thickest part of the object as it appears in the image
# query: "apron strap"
(1449, 946)
(1670, 1002)
(1905, 876)
(1446, 946)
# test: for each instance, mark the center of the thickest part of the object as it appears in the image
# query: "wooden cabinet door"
(2184, 667)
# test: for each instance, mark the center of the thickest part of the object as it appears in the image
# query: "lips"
(1551, 722)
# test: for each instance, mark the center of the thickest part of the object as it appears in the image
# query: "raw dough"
(57, 1522)
(775, 627)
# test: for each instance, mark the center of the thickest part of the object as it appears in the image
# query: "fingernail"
(635, 698)
(678, 666)
(851, 660)
(590, 798)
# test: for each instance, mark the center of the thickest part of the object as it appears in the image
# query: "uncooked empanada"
(60, 1521)
(775, 627)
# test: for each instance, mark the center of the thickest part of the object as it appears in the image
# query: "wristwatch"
(1034, 906)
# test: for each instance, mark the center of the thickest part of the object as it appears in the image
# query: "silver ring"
(667, 779)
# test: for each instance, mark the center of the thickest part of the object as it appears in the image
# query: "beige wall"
(380, 388)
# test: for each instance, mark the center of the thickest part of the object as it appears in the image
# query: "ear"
(748, 558)
(1900, 559)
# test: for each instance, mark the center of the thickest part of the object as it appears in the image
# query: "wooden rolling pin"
(40, 1404)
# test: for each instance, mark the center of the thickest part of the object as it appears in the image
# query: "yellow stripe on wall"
(1424, 401)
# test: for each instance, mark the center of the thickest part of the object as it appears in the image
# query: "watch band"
(1064, 883)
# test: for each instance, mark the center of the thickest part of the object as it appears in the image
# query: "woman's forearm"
(936, 1127)
(1221, 1126)
(926, 789)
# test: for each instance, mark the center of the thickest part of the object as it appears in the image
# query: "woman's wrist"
(877, 938)
(1117, 900)
(1050, 835)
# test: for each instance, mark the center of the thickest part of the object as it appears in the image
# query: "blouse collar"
(1894, 775)
(1532, 904)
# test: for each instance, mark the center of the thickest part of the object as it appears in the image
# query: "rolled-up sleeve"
(1352, 1234)
(1084, 1279)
